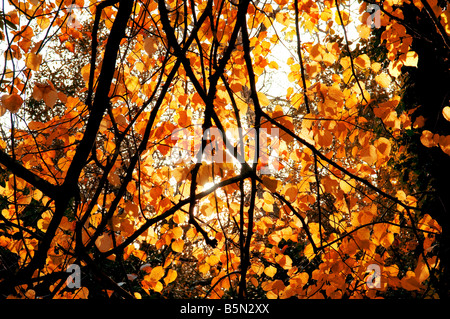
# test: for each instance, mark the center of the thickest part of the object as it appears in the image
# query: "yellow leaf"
(325, 138)
(446, 113)
(335, 93)
(362, 61)
(178, 245)
(444, 144)
(203, 268)
(257, 268)
(411, 59)
(328, 58)
(364, 31)
(177, 232)
(270, 271)
(170, 277)
(263, 100)
(383, 80)
(132, 83)
(395, 68)
(33, 61)
(291, 193)
(157, 273)
(347, 186)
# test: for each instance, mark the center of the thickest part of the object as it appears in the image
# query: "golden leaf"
(383, 80)
(33, 61)
(170, 277)
(446, 113)
(362, 61)
(411, 59)
(157, 273)
(270, 271)
(178, 245)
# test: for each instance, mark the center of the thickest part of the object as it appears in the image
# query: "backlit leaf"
(383, 80)
(363, 61)
(270, 271)
(446, 113)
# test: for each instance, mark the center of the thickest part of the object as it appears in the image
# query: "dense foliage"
(225, 149)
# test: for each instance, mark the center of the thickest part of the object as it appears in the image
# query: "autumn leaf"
(362, 61)
(11, 102)
(411, 59)
(104, 242)
(446, 113)
(338, 184)
(270, 271)
(157, 273)
(270, 183)
(171, 276)
(33, 61)
(427, 139)
(409, 282)
(178, 245)
(383, 80)
(46, 92)
(150, 45)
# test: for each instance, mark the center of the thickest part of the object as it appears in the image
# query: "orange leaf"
(263, 100)
(178, 245)
(171, 276)
(409, 282)
(150, 45)
(427, 139)
(104, 242)
(33, 61)
(291, 193)
(325, 138)
(363, 61)
(383, 146)
(270, 183)
(157, 273)
(50, 98)
(11, 102)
